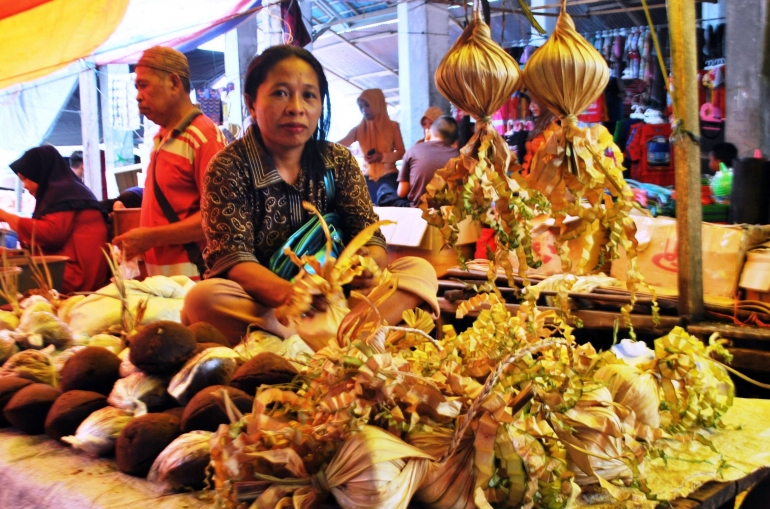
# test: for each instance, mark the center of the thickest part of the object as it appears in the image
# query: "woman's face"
(535, 109)
(288, 105)
(366, 110)
(29, 185)
(426, 123)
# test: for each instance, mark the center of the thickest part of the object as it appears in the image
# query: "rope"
(568, 120)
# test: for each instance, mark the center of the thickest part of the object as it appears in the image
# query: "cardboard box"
(724, 249)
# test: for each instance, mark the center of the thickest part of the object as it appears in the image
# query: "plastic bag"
(214, 366)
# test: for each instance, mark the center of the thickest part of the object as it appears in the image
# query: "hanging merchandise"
(124, 110)
(573, 168)
(478, 77)
(595, 113)
(210, 104)
(650, 153)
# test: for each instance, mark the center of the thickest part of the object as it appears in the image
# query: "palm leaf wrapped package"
(327, 279)
(696, 390)
(575, 166)
(478, 77)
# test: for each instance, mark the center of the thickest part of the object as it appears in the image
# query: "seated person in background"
(380, 140)
(430, 116)
(67, 220)
(76, 163)
(252, 203)
(422, 160)
(131, 198)
(722, 153)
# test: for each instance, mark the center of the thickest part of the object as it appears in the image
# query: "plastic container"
(9, 239)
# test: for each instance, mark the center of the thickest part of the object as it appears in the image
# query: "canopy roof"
(42, 36)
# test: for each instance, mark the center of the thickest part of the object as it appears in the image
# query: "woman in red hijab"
(67, 220)
(380, 140)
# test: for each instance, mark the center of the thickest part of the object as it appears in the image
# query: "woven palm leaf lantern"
(575, 166)
(478, 77)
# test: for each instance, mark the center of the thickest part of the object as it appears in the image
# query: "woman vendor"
(67, 219)
(252, 197)
(380, 140)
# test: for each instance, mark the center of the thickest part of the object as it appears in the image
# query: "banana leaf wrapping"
(182, 463)
(35, 365)
(139, 393)
(214, 366)
(98, 433)
(639, 391)
(448, 485)
(575, 166)
(599, 449)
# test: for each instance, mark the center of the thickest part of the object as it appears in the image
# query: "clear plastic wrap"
(214, 366)
(97, 434)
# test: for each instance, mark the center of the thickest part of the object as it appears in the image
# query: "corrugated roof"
(361, 49)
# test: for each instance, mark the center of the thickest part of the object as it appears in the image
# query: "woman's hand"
(366, 282)
(11, 219)
(319, 305)
(374, 158)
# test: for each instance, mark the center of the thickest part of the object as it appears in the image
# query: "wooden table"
(38, 473)
(600, 320)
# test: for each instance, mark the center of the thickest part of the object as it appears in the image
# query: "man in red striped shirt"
(170, 237)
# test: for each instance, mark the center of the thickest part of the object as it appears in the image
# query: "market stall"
(493, 403)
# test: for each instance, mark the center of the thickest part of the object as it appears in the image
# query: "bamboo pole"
(681, 23)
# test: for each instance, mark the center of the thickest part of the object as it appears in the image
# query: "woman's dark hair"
(256, 75)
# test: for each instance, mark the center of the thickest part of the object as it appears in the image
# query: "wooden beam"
(342, 78)
(629, 9)
(689, 213)
(599, 320)
(366, 55)
(389, 13)
(631, 14)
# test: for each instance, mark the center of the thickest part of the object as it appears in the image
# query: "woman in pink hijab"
(380, 140)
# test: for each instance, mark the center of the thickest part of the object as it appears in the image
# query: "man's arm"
(139, 240)
(403, 189)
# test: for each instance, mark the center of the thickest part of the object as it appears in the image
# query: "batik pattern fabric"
(249, 211)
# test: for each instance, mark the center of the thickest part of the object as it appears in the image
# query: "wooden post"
(681, 22)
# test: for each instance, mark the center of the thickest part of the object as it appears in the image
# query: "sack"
(308, 240)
